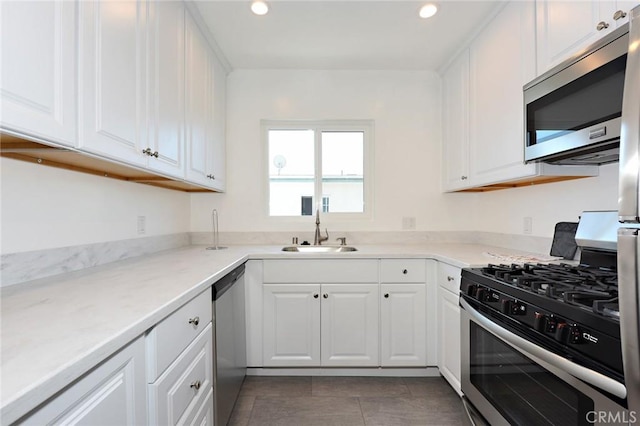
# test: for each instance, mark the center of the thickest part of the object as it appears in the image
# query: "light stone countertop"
(56, 329)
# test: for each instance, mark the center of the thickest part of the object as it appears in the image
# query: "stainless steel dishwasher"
(229, 343)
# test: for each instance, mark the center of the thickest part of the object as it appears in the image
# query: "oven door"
(509, 380)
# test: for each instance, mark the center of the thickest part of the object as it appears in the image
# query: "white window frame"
(319, 126)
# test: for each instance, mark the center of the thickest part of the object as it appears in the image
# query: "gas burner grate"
(583, 286)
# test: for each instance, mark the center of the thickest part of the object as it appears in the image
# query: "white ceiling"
(339, 34)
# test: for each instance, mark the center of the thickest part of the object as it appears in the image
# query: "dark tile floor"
(346, 401)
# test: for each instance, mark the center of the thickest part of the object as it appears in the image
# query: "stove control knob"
(562, 332)
(481, 294)
(539, 322)
(505, 306)
(575, 335)
(471, 290)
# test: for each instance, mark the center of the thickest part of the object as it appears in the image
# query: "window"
(318, 166)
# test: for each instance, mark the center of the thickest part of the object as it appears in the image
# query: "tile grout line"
(364, 422)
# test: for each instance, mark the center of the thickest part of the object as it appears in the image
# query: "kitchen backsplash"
(529, 243)
(26, 266)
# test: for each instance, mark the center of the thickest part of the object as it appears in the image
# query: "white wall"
(504, 211)
(44, 207)
(406, 110)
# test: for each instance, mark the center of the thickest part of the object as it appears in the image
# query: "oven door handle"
(592, 377)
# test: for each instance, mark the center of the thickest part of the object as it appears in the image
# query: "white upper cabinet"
(38, 84)
(165, 87)
(502, 60)
(112, 76)
(205, 105)
(483, 109)
(455, 114)
(566, 27)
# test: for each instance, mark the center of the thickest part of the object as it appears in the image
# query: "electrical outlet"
(527, 225)
(408, 223)
(142, 225)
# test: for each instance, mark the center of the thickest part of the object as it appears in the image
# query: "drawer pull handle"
(450, 278)
(195, 321)
(196, 385)
(326, 296)
(315, 296)
(404, 271)
(386, 295)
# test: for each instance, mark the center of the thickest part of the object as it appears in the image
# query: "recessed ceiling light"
(259, 7)
(428, 10)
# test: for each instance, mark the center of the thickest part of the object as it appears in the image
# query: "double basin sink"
(319, 249)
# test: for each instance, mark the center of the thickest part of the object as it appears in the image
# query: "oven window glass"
(589, 100)
(521, 390)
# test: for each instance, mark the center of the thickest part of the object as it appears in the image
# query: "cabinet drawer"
(179, 392)
(167, 339)
(449, 277)
(321, 271)
(402, 271)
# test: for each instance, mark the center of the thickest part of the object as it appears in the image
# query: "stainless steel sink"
(319, 249)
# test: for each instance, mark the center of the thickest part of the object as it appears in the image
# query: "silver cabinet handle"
(405, 272)
(592, 377)
(619, 15)
(196, 385)
(450, 278)
(326, 296)
(195, 321)
(150, 153)
(602, 25)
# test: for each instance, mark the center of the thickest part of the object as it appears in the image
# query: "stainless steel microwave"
(573, 111)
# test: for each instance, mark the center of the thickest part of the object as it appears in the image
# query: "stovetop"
(587, 287)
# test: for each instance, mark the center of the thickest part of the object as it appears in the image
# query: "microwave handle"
(628, 206)
(592, 377)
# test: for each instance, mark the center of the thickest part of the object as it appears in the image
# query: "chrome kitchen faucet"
(318, 239)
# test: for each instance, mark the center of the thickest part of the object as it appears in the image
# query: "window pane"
(343, 172)
(291, 170)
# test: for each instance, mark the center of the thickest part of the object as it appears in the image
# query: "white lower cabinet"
(180, 372)
(341, 313)
(349, 325)
(449, 324)
(403, 325)
(180, 392)
(291, 325)
(320, 325)
(113, 393)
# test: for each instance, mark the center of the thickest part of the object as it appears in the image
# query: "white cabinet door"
(111, 394)
(291, 334)
(165, 84)
(403, 325)
(449, 337)
(112, 75)
(455, 106)
(349, 317)
(496, 141)
(38, 84)
(566, 27)
(205, 110)
(216, 154)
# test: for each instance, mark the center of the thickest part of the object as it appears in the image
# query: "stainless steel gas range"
(541, 344)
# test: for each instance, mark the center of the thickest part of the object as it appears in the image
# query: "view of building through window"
(315, 168)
